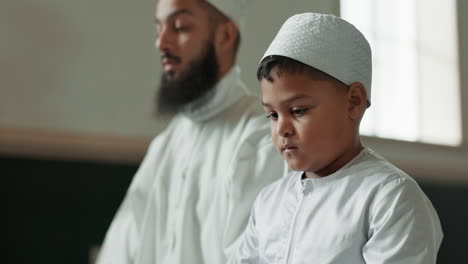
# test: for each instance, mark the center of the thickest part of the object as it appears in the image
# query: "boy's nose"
(284, 128)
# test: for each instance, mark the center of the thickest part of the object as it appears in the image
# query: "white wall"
(86, 71)
(84, 66)
(90, 65)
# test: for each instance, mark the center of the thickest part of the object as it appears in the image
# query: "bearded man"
(190, 200)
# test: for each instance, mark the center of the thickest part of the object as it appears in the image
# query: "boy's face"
(310, 124)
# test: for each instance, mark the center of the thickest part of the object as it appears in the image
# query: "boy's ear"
(357, 100)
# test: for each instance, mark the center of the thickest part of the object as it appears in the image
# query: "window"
(415, 87)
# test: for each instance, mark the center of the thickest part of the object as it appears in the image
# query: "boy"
(342, 202)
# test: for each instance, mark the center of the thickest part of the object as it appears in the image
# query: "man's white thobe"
(190, 200)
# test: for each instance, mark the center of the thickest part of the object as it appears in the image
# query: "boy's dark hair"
(288, 65)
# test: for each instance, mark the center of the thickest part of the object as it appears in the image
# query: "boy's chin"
(305, 167)
(296, 166)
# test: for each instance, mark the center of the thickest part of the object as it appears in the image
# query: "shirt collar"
(225, 93)
(306, 185)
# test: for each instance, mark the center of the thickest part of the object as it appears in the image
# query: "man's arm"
(256, 167)
(121, 242)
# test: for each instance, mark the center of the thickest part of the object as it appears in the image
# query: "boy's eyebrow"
(288, 100)
(174, 14)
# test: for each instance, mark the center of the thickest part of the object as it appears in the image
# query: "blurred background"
(78, 79)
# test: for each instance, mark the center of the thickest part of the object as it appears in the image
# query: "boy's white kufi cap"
(327, 43)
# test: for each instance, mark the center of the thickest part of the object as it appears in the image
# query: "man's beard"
(200, 77)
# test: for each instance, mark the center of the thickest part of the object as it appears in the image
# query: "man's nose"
(162, 42)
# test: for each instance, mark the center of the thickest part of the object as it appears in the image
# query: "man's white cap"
(327, 43)
(233, 9)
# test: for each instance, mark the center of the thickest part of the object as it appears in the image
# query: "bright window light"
(415, 86)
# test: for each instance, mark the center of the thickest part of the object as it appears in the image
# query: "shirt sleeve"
(258, 164)
(403, 226)
(121, 242)
(248, 252)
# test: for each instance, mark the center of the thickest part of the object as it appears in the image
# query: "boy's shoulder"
(371, 166)
(375, 178)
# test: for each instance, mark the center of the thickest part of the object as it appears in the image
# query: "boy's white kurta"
(367, 212)
(190, 200)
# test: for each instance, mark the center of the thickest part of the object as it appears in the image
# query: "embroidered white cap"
(233, 9)
(327, 43)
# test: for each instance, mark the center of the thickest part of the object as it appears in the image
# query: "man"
(191, 197)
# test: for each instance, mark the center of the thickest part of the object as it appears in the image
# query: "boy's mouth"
(287, 148)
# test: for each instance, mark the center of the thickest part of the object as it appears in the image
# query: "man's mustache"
(169, 56)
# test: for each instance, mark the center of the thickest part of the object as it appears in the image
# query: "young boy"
(342, 202)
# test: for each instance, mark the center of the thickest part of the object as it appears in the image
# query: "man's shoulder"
(248, 117)
(247, 106)
(175, 125)
(243, 123)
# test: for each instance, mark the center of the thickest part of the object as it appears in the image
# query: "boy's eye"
(272, 116)
(298, 112)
